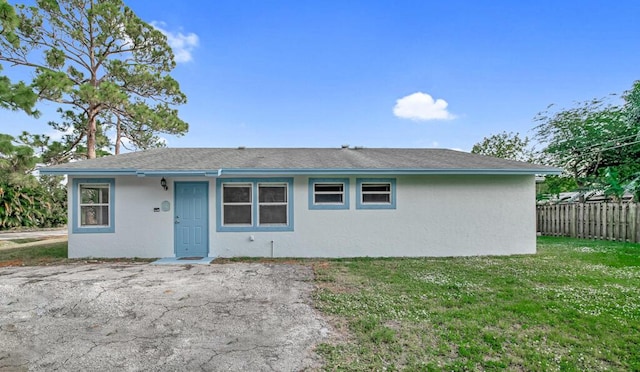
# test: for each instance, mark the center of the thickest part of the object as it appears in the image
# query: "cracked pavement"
(133, 317)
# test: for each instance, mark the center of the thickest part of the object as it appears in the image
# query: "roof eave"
(281, 171)
(86, 172)
(392, 171)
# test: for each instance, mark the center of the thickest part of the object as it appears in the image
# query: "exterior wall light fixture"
(163, 183)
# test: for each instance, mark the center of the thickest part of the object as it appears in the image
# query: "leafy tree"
(101, 61)
(24, 199)
(13, 96)
(554, 185)
(505, 145)
(632, 106)
(613, 186)
(136, 129)
(35, 206)
(16, 161)
(588, 138)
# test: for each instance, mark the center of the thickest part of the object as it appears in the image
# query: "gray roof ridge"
(297, 158)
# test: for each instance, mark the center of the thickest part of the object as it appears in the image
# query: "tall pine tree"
(100, 61)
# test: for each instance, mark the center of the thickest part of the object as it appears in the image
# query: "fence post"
(623, 222)
(563, 220)
(615, 221)
(610, 212)
(637, 218)
(549, 217)
(556, 217)
(579, 216)
(592, 224)
(598, 218)
(572, 213)
(631, 220)
(590, 221)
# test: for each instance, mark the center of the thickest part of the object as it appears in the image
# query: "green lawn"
(53, 253)
(574, 306)
(38, 255)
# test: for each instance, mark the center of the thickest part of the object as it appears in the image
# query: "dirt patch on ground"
(331, 279)
(240, 316)
(11, 263)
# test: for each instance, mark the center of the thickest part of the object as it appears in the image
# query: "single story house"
(300, 202)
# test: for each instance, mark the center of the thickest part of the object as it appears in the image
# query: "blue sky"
(321, 73)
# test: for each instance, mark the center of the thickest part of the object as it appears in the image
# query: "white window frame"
(363, 182)
(249, 203)
(285, 203)
(375, 184)
(78, 184)
(100, 203)
(313, 182)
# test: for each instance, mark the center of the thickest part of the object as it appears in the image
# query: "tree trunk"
(91, 134)
(118, 135)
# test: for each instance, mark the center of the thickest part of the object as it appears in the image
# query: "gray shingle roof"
(298, 160)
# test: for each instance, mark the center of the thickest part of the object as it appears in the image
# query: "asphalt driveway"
(145, 317)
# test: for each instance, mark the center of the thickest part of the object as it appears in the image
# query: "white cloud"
(182, 44)
(56, 135)
(421, 107)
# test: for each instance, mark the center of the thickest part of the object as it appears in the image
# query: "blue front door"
(191, 219)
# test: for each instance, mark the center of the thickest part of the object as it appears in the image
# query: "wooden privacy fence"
(610, 221)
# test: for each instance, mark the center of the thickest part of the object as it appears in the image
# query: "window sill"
(253, 228)
(92, 230)
(328, 206)
(375, 206)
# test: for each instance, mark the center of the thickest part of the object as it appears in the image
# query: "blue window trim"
(360, 205)
(75, 217)
(254, 204)
(313, 205)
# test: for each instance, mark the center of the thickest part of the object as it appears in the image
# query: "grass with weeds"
(37, 255)
(49, 254)
(574, 306)
(26, 240)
